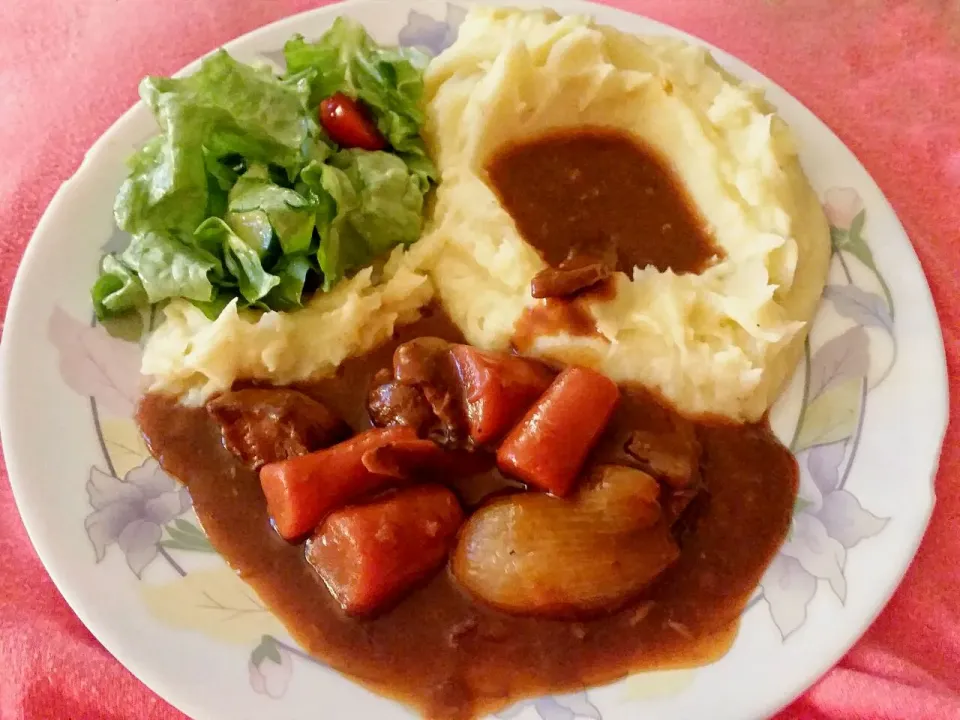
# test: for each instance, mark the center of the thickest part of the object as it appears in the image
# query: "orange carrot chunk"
(497, 389)
(302, 490)
(548, 447)
(370, 555)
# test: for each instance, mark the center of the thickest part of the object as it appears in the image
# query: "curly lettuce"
(242, 195)
(389, 81)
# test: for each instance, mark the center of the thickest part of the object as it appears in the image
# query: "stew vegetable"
(646, 561)
(461, 528)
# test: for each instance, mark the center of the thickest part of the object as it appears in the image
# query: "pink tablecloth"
(885, 75)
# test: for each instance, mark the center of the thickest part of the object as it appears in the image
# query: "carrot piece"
(301, 490)
(497, 389)
(369, 555)
(549, 446)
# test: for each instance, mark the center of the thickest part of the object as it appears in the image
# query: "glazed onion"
(534, 554)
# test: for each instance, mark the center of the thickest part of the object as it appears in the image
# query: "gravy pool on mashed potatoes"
(720, 342)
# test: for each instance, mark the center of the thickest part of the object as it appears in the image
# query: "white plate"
(119, 540)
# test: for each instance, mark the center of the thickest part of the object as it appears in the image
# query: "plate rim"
(15, 316)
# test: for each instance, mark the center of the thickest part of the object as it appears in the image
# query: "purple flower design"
(271, 668)
(575, 706)
(433, 36)
(866, 308)
(96, 365)
(828, 520)
(131, 512)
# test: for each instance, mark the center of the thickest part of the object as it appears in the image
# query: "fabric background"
(884, 74)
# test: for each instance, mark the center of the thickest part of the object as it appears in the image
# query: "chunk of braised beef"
(567, 281)
(428, 364)
(656, 440)
(421, 361)
(585, 265)
(407, 458)
(450, 428)
(425, 459)
(676, 502)
(264, 425)
(394, 403)
(673, 457)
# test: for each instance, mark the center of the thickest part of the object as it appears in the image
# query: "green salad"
(265, 189)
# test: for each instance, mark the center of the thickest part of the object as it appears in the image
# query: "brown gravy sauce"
(603, 193)
(444, 653)
(452, 658)
(599, 193)
(552, 317)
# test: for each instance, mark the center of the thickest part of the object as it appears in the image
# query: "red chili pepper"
(349, 125)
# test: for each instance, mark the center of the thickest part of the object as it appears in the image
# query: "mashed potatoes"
(196, 357)
(719, 342)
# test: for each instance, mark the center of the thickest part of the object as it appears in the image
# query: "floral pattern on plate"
(136, 506)
(839, 372)
(147, 515)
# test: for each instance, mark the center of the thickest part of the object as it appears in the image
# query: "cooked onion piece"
(535, 554)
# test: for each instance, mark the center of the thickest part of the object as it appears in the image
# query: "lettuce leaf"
(244, 111)
(388, 80)
(225, 109)
(293, 272)
(169, 268)
(259, 208)
(117, 290)
(373, 202)
(241, 260)
(243, 196)
(166, 190)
